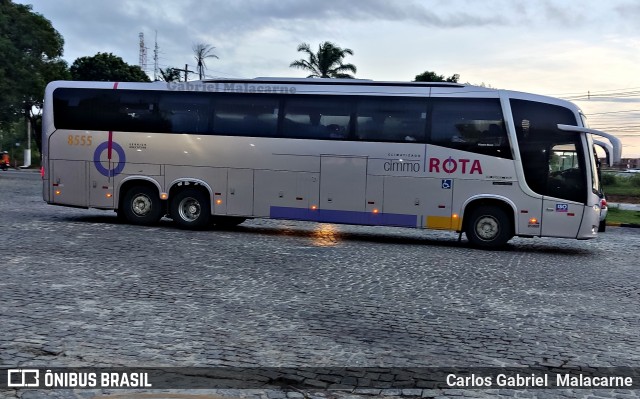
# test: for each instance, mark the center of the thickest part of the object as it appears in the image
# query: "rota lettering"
(451, 165)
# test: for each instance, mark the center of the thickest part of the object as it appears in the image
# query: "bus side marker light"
(455, 216)
(533, 221)
(58, 192)
(314, 207)
(109, 195)
(164, 196)
(218, 201)
(375, 211)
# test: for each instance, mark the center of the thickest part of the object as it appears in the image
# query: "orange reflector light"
(533, 221)
(375, 211)
(313, 207)
(455, 216)
(109, 195)
(218, 201)
(164, 196)
(58, 192)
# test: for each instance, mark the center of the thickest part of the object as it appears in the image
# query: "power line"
(593, 91)
(615, 112)
(592, 97)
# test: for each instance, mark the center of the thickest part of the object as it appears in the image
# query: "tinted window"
(186, 112)
(129, 110)
(316, 118)
(246, 115)
(552, 159)
(391, 119)
(474, 125)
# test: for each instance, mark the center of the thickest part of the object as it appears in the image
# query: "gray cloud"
(113, 26)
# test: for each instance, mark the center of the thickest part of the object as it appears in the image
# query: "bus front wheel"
(191, 209)
(141, 205)
(488, 227)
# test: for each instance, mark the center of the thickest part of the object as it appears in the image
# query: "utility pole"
(186, 71)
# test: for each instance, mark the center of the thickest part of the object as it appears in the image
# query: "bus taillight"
(42, 172)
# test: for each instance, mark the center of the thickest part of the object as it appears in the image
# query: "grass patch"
(623, 216)
(621, 185)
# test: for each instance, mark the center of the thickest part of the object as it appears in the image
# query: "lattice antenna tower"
(142, 61)
(155, 59)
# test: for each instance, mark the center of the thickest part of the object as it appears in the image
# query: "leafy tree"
(429, 76)
(106, 67)
(327, 62)
(170, 75)
(202, 52)
(30, 51)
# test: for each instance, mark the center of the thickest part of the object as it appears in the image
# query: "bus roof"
(319, 86)
(331, 81)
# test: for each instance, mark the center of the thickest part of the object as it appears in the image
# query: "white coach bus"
(490, 163)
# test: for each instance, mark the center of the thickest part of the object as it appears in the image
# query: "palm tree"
(170, 75)
(326, 63)
(202, 52)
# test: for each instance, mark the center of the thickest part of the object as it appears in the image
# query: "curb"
(617, 224)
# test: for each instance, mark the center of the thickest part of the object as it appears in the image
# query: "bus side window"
(472, 124)
(391, 119)
(185, 112)
(245, 115)
(316, 118)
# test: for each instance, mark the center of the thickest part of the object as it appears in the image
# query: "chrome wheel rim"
(189, 209)
(487, 228)
(141, 205)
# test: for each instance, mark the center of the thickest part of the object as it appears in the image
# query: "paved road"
(79, 289)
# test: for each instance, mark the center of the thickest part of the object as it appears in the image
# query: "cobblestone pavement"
(79, 289)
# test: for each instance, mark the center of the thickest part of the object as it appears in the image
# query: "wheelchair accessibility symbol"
(118, 168)
(447, 184)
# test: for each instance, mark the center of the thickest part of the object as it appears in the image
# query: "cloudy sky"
(587, 51)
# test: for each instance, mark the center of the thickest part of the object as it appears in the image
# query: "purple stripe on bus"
(345, 217)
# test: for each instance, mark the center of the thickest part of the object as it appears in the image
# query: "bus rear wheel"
(141, 205)
(488, 227)
(191, 209)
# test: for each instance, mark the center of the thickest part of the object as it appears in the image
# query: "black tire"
(191, 209)
(602, 227)
(488, 227)
(141, 205)
(227, 221)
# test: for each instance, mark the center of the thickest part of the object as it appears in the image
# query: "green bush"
(609, 179)
(635, 180)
